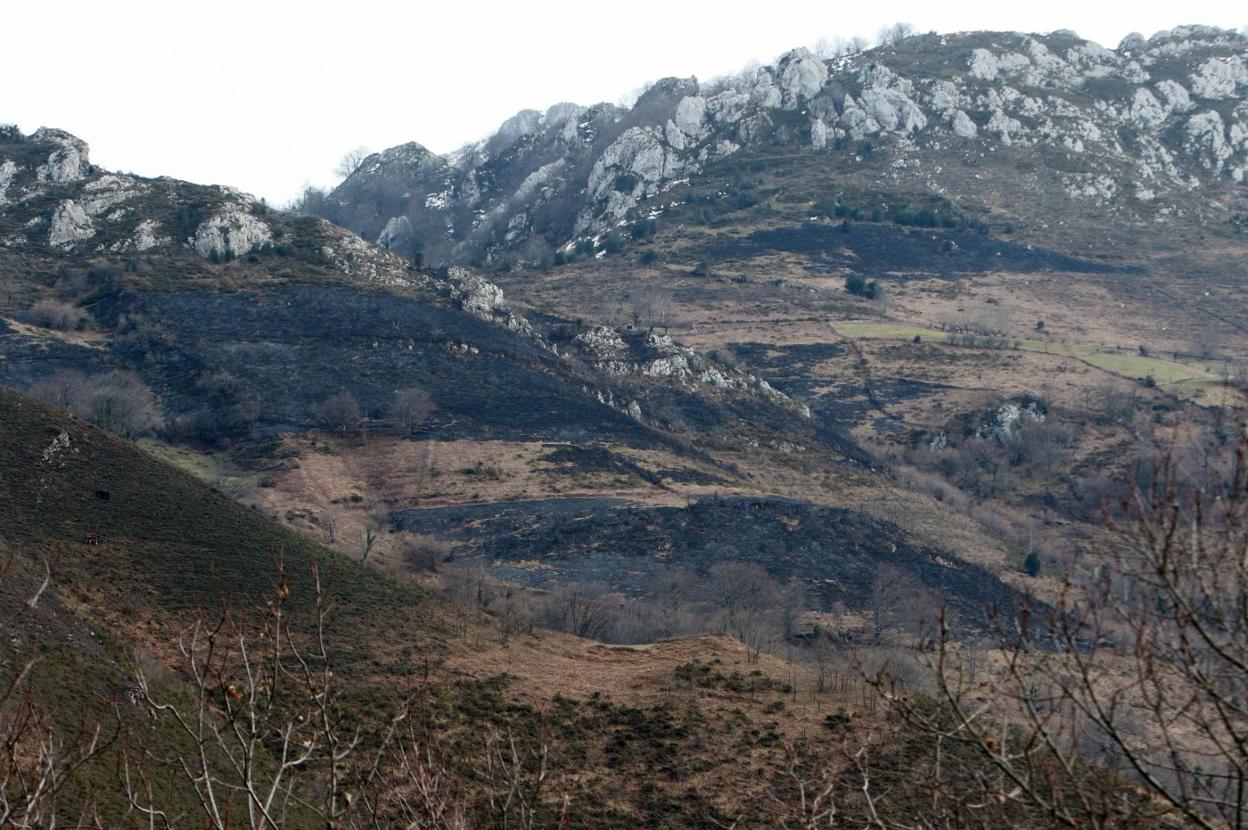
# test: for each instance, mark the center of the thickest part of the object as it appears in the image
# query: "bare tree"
(791, 603)
(333, 523)
(894, 34)
(856, 44)
(410, 408)
(1141, 666)
(829, 48)
(653, 309)
(351, 161)
(341, 412)
(62, 388)
(584, 608)
(891, 589)
(748, 597)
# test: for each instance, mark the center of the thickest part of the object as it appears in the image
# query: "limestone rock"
(893, 110)
(603, 342)
(396, 234)
(1220, 78)
(8, 172)
(70, 223)
(1146, 111)
(963, 125)
(144, 237)
(800, 76)
(728, 106)
(102, 194)
(1206, 137)
(231, 232)
(476, 295)
(818, 135)
(1004, 126)
(765, 93)
(856, 121)
(69, 162)
(983, 65)
(945, 96)
(690, 115)
(1177, 98)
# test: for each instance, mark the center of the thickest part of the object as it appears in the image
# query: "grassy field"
(1196, 382)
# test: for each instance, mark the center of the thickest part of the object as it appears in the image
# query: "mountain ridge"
(1167, 111)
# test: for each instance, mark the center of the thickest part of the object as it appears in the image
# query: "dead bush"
(51, 314)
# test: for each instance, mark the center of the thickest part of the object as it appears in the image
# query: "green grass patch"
(1192, 381)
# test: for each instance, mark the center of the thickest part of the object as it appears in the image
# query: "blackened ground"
(872, 248)
(290, 348)
(836, 553)
(598, 459)
(285, 350)
(794, 370)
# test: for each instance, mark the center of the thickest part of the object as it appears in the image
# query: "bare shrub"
(426, 553)
(116, 401)
(51, 314)
(38, 760)
(515, 613)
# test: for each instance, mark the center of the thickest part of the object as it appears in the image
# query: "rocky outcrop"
(1220, 78)
(231, 232)
(800, 76)
(476, 295)
(397, 234)
(70, 224)
(657, 356)
(146, 236)
(8, 172)
(69, 162)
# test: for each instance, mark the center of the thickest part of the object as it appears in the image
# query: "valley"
(739, 457)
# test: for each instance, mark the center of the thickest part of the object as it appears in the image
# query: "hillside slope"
(690, 733)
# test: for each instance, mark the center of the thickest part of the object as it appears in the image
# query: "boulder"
(800, 76)
(397, 233)
(893, 110)
(818, 135)
(963, 125)
(983, 65)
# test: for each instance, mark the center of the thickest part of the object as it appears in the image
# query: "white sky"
(268, 94)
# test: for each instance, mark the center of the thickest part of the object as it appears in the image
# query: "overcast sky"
(267, 95)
